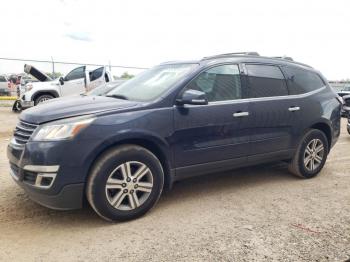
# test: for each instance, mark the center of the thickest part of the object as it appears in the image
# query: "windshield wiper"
(118, 96)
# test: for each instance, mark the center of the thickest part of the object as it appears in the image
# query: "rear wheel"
(125, 183)
(311, 154)
(42, 98)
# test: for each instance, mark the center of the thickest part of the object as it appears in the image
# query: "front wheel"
(42, 98)
(125, 183)
(311, 154)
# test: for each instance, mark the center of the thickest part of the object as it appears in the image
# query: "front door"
(217, 131)
(74, 82)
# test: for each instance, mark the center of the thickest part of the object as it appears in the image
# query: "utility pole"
(53, 67)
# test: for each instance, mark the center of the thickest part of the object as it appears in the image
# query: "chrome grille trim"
(23, 132)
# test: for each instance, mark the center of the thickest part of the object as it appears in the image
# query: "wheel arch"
(53, 93)
(326, 129)
(154, 145)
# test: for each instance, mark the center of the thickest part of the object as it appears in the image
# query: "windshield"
(104, 89)
(152, 83)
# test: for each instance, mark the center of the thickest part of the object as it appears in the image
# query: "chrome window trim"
(258, 99)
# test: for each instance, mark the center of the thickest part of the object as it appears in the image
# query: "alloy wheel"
(129, 185)
(314, 154)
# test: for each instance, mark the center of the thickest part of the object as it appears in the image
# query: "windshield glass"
(104, 89)
(152, 83)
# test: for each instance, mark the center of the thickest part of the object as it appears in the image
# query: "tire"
(17, 107)
(122, 198)
(301, 164)
(42, 98)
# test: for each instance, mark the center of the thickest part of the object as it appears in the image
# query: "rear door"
(74, 82)
(272, 118)
(96, 78)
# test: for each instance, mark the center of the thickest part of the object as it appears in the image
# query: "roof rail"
(232, 54)
(283, 57)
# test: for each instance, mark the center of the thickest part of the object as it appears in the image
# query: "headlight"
(62, 129)
(28, 87)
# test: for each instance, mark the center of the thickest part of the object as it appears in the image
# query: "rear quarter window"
(302, 81)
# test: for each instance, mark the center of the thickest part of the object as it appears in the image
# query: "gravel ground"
(260, 213)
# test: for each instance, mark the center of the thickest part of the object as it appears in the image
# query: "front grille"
(23, 131)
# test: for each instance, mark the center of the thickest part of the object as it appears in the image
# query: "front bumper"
(70, 197)
(26, 104)
(34, 168)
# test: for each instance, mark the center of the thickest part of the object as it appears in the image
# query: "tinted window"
(266, 81)
(76, 74)
(2, 79)
(302, 81)
(219, 83)
(96, 74)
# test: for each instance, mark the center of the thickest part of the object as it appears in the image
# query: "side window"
(75, 74)
(97, 73)
(266, 81)
(302, 81)
(2, 79)
(219, 83)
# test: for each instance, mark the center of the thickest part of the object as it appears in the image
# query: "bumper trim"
(41, 169)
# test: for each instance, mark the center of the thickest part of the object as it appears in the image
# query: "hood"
(29, 69)
(46, 84)
(73, 106)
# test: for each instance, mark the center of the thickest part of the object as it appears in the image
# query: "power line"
(68, 63)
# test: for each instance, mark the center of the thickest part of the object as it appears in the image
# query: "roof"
(254, 57)
(244, 57)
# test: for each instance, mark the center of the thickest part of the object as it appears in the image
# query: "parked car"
(4, 86)
(105, 88)
(344, 91)
(78, 81)
(346, 109)
(174, 121)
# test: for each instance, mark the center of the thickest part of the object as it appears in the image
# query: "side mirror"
(61, 80)
(192, 97)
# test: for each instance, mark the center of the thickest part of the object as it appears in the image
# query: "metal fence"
(52, 65)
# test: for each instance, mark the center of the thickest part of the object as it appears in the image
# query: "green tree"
(55, 75)
(126, 75)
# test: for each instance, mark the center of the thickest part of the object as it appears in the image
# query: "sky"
(146, 33)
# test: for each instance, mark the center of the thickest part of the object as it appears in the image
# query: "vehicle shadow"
(229, 181)
(184, 191)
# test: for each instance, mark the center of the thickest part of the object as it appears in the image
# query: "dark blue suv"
(176, 120)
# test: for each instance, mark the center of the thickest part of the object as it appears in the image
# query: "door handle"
(294, 108)
(240, 114)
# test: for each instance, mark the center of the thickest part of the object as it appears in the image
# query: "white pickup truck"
(77, 81)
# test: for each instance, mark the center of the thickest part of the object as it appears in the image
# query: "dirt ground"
(253, 214)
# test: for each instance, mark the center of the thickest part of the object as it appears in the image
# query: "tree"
(54, 76)
(126, 75)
